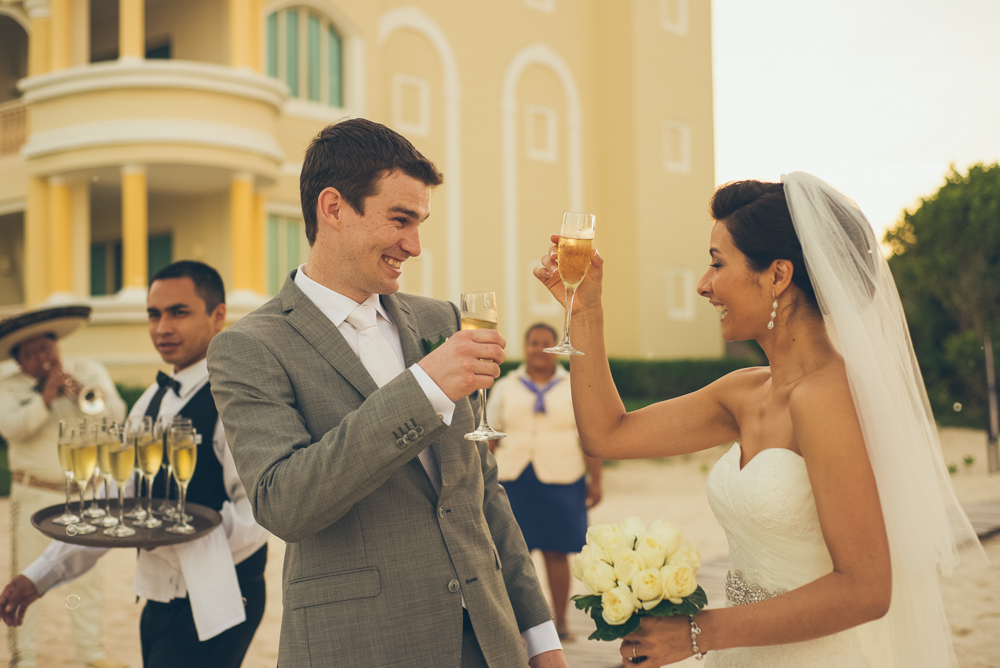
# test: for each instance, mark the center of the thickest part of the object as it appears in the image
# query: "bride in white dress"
(835, 499)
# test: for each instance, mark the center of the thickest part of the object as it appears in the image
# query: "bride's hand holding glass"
(588, 294)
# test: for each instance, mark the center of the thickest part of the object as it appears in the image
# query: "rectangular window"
(287, 248)
(335, 67)
(98, 269)
(161, 253)
(411, 105)
(292, 232)
(272, 45)
(540, 133)
(292, 51)
(313, 57)
(680, 294)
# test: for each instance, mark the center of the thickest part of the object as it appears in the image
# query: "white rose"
(599, 534)
(678, 582)
(652, 549)
(648, 587)
(617, 544)
(686, 554)
(627, 565)
(579, 561)
(668, 534)
(633, 526)
(599, 577)
(618, 605)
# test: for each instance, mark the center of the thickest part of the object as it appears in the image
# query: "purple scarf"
(539, 393)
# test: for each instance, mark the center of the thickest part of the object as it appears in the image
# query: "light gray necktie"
(378, 357)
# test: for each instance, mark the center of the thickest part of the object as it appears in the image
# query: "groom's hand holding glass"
(468, 361)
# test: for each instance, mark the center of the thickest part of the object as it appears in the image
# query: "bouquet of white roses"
(632, 571)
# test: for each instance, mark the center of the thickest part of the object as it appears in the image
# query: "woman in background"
(541, 464)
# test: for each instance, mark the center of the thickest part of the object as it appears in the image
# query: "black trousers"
(170, 640)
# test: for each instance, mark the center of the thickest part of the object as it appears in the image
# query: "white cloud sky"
(877, 97)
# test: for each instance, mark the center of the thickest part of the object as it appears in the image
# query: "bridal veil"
(927, 529)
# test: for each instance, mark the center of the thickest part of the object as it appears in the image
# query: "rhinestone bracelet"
(695, 631)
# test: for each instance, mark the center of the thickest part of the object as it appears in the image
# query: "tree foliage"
(946, 263)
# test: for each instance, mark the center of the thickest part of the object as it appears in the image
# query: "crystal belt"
(741, 592)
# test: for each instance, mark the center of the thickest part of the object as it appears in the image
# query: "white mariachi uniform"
(31, 430)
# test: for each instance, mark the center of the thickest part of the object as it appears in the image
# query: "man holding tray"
(205, 598)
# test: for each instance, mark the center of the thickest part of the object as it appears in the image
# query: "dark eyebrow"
(172, 307)
(713, 251)
(405, 211)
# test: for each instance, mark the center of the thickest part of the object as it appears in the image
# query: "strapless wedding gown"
(775, 545)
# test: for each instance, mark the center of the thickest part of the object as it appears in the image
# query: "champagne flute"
(576, 239)
(65, 443)
(182, 446)
(141, 428)
(168, 509)
(93, 436)
(149, 454)
(479, 311)
(107, 440)
(83, 450)
(121, 462)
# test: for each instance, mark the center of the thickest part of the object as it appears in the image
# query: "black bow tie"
(163, 380)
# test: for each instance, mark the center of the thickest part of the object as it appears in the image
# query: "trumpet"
(91, 400)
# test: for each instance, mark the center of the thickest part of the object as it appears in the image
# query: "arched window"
(305, 50)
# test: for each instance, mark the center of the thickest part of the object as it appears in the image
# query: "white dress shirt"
(337, 307)
(160, 574)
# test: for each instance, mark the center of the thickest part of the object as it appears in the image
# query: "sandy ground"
(669, 489)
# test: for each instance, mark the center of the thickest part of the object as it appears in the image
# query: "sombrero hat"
(59, 322)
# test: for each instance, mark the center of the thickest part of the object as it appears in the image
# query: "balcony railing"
(13, 127)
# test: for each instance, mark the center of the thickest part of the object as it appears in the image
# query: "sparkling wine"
(150, 456)
(66, 457)
(84, 462)
(476, 323)
(574, 259)
(183, 457)
(120, 464)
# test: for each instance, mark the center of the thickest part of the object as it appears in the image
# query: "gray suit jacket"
(376, 563)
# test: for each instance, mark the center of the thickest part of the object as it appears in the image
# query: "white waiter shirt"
(160, 574)
(337, 307)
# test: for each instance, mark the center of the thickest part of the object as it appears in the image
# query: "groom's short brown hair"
(352, 156)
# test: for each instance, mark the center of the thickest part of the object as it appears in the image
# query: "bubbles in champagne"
(957, 407)
(71, 530)
(73, 601)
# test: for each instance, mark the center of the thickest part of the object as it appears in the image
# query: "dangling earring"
(774, 311)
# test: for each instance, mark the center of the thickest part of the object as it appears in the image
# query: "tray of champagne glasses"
(201, 518)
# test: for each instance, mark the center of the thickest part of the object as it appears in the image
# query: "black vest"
(207, 486)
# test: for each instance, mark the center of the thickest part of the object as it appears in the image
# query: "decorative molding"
(677, 147)
(282, 209)
(22, 18)
(680, 294)
(354, 52)
(313, 111)
(547, 6)
(37, 9)
(545, 56)
(422, 126)
(13, 206)
(674, 16)
(152, 131)
(411, 18)
(546, 148)
(140, 73)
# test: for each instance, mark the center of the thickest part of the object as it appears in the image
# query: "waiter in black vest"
(205, 598)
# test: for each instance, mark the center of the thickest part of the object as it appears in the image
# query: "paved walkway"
(985, 518)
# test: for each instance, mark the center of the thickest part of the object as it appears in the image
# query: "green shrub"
(129, 394)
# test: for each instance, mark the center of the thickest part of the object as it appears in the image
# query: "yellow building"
(134, 133)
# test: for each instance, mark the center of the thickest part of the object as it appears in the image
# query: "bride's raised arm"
(696, 421)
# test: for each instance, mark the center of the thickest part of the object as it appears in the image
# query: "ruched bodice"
(769, 515)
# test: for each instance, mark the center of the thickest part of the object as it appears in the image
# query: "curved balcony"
(153, 112)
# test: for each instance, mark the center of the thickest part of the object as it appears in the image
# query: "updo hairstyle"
(756, 215)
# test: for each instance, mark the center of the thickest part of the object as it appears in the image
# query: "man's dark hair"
(352, 156)
(542, 325)
(207, 282)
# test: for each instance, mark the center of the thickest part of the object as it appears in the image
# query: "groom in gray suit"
(401, 546)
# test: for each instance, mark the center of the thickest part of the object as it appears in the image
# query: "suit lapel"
(317, 329)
